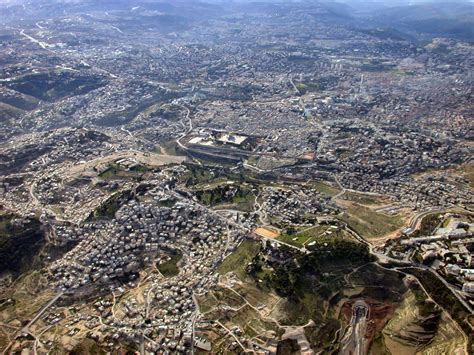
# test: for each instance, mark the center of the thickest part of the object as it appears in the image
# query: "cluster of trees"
(333, 251)
(223, 194)
(107, 209)
(20, 243)
(427, 225)
(289, 277)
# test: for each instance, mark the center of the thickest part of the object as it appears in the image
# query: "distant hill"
(432, 10)
(434, 19)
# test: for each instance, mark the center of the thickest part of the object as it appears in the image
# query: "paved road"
(449, 286)
(186, 131)
(353, 341)
(43, 45)
(41, 312)
(343, 190)
(416, 220)
(196, 314)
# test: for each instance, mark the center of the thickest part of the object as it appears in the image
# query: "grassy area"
(238, 260)
(308, 283)
(28, 295)
(4, 340)
(226, 296)
(198, 175)
(307, 305)
(19, 244)
(256, 295)
(207, 302)
(111, 205)
(110, 173)
(170, 147)
(371, 224)
(245, 317)
(303, 238)
(239, 197)
(308, 86)
(446, 222)
(249, 321)
(363, 199)
(115, 172)
(242, 318)
(323, 337)
(5, 225)
(170, 267)
(253, 160)
(210, 184)
(377, 66)
(371, 274)
(324, 188)
(307, 236)
(425, 324)
(427, 225)
(306, 286)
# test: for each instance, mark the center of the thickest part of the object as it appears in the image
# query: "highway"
(353, 341)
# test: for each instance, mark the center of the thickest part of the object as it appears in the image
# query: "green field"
(428, 225)
(239, 259)
(226, 296)
(369, 223)
(309, 235)
(207, 302)
(363, 199)
(324, 188)
(243, 199)
(108, 208)
(170, 268)
(303, 238)
(114, 172)
(323, 337)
